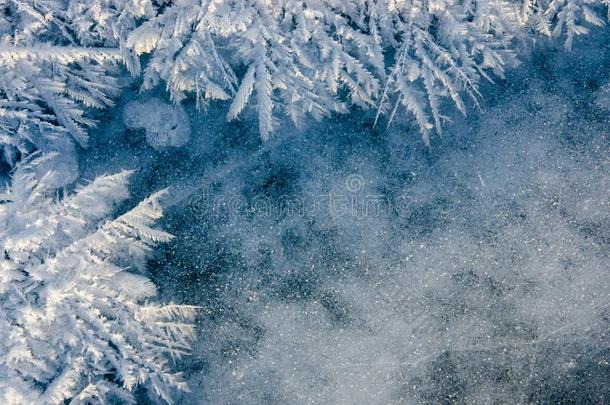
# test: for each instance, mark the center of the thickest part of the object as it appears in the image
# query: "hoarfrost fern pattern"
(75, 323)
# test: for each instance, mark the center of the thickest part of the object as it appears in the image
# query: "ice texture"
(482, 277)
(165, 124)
(602, 97)
(346, 264)
(60, 162)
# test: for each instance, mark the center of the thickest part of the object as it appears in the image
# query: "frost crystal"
(75, 323)
(165, 124)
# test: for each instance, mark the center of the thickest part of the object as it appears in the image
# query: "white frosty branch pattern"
(75, 323)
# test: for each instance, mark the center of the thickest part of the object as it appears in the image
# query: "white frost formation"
(165, 124)
(77, 324)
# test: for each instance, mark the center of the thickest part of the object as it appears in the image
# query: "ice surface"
(603, 97)
(482, 278)
(165, 125)
(345, 264)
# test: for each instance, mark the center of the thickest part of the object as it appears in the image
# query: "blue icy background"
(341, 263)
